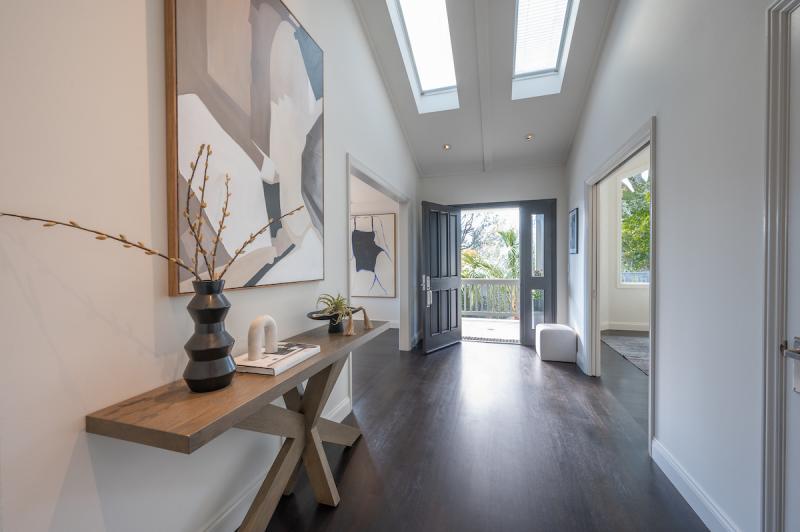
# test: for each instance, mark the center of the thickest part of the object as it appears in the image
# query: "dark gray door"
(538, 268)
(441, 276)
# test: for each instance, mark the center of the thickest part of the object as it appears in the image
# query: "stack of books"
(287, 356)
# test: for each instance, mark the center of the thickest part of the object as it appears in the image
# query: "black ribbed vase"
(211, 366)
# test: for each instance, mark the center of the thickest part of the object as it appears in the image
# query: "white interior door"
(793, 293)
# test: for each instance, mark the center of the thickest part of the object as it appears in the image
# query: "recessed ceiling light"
(529, 137)
(446, 147)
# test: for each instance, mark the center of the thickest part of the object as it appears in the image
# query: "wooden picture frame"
(573, 231)
(298, 240)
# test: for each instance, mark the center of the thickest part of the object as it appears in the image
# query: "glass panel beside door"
(538, 275)
(537, 245)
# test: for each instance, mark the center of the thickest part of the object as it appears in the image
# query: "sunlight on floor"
(489, 329)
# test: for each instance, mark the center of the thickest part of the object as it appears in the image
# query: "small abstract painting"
(573, 231)
(372, 255)
(247, 79)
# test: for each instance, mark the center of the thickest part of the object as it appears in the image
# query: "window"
(634, 259)
(540, 34)
(428, 32)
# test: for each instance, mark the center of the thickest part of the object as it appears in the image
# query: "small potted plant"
(335, 309)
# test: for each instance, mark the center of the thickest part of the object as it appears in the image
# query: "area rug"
(635, 348)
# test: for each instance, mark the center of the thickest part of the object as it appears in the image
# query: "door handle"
(794, 351)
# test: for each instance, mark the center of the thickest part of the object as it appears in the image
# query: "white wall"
(86, 324)
(700, 68)
(509, 185)
(366, 200)
(620, 307)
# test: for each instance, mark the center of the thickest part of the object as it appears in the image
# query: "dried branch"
(253, 237)
(200, 214)
(225, 214)
(99, 235)
(193, 228)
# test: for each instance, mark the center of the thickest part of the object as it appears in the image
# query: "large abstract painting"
(248, 80)
(372, 255)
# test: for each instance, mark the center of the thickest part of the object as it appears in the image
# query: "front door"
(538, 266)
(441, 276)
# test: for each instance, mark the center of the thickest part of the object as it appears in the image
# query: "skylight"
(428, 33)
(541, 26)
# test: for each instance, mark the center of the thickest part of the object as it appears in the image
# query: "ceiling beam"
(484, 54)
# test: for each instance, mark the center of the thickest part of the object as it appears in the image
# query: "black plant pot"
(334, 327)
(210, 366)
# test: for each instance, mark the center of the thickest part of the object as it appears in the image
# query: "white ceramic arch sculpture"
(262, 338)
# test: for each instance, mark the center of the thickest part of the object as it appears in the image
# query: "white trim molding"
(704, 506)
(773, 503)
(624, 326)
(405, 272)
(646, 135)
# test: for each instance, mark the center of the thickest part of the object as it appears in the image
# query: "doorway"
(490, 274)
(500, 271)
(591, 363)
(781, 425)
(379, 216)
(622, 209)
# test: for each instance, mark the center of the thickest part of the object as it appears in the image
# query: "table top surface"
(174, 418)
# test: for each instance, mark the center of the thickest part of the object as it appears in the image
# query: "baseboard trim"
(340, 411)
(230, 517)
(624, 326)
(709, 511)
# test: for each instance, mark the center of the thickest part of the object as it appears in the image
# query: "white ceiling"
(488, 131)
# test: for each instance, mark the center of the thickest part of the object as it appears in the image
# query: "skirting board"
(624, 326)
(230, 518)
(704, 506)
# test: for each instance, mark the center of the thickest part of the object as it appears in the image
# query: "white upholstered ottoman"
(556, 342)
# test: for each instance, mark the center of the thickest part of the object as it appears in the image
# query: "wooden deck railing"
(490, 298)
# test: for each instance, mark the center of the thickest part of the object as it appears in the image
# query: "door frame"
(773, 492)
(405, 269)
(646, 135)
(550, 204)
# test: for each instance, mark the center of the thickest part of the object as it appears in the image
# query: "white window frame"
(620, 282)
(534, 84)
(559, 58)
(431, 101)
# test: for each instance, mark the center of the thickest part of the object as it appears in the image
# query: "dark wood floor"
(487, 437)
(627, 383)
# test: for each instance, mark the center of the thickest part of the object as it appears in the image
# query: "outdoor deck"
(490, 329)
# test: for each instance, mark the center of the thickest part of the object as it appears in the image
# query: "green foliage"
(473, 266)
(334, 306)
(510, 241)
(476, 266)
(478, 229)
(636, 226)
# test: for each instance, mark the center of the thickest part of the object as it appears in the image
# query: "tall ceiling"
(488, 131)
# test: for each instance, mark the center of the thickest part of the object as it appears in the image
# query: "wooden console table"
(172, 417)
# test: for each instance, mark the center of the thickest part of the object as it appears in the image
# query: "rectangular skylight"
(541, 25)
(428, 32)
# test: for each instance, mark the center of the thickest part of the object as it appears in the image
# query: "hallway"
(453, 443)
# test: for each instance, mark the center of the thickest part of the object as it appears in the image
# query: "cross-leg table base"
(300, 423)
